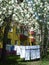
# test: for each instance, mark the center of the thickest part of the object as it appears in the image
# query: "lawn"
(14, 60)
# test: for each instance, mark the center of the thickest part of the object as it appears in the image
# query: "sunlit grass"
(15, 60)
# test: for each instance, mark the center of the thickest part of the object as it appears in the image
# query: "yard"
(13, 61)
(38, 63)
(44, 62)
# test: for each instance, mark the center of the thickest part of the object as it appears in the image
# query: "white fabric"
(35, 47)
(38, 53)
(33, 54)
(17, 49)
(27, 54)
(22, 53)
(27, 47)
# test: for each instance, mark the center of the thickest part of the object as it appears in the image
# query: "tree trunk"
(41, 45)
(45, 40)
(5, 38)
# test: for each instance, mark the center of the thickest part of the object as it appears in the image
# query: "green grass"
(15, 60)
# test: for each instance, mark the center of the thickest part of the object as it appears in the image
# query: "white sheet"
(33, 54)
(38, 53)
(27, 54)
(17, 49)
(22, 53)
